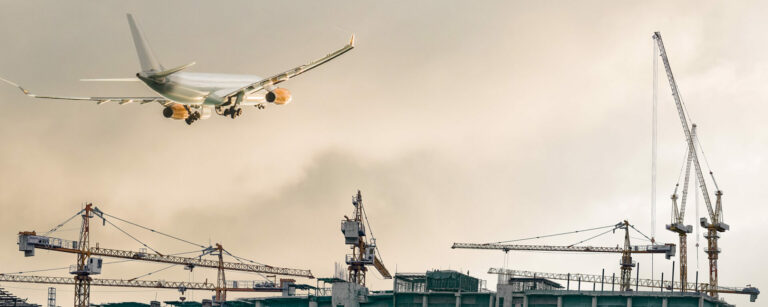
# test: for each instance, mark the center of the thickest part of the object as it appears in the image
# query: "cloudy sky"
(459, 121)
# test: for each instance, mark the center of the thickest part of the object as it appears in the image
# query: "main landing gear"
(192, 118)
(233, 112)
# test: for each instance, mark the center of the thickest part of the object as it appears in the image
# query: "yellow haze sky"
(460, 121)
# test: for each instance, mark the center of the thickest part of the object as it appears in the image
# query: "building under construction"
(454, 289)
(438, 288)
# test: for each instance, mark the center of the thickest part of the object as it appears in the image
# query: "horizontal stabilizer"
(99, 100)
(111, 80)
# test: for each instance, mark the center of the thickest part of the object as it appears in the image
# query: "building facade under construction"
(454, 289)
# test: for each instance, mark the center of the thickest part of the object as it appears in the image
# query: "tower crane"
(626, 251)
(677, 224)
(88, 265)
(716, 223)
(364, 252)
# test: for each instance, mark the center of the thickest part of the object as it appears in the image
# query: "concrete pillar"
(629, 302)
(490, 300)
(312, 304)
(701, 301)
(458, 299)
(594, 301)
(425, 300)
(525, 300)
(559, 301)
(664, 302)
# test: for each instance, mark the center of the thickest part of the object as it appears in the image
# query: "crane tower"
(716, 223)
(364, 252)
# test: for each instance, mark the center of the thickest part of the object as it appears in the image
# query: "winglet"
(26, 92)
(352, 41)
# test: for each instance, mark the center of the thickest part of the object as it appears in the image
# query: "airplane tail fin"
(146, 58)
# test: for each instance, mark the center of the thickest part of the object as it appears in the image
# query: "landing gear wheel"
(192, 118)
(232, 112)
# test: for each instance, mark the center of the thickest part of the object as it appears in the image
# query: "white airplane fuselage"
(191, 96)
(197, 88)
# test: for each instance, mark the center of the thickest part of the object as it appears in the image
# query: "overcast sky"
(458, 120)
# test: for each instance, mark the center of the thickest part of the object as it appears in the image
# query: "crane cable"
(365, 215)
(654, 139)
(654, 144)
(590, 238)
(155, 271)
(54, 229)
(239, 259)
(553, 235)
(155, 231)
(132, 237)
(706, 161)
(640, 232)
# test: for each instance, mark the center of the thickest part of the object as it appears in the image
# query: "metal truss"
(648, 283)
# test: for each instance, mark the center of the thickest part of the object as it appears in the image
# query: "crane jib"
(30, 242)
(684, 122)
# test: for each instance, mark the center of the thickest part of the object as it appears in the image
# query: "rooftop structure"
(8, 299)
(436, 281)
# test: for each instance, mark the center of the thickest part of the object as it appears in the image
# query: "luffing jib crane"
(364, 252)
(716, 223)
(626, 251)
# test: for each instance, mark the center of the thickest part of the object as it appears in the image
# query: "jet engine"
(278, 96)
(176, 111)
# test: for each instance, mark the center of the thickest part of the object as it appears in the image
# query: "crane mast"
(678, 219)
(715, 215)
(82, 274)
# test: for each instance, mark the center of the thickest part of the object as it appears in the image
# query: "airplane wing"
(99, 100)
(267, 83)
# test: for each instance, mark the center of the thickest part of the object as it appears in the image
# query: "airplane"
(191, 96)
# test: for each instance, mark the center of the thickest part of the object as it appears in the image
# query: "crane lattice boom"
(715, 215)
(668, 249)
(157, 284)
(686, 129)
(60, 245)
